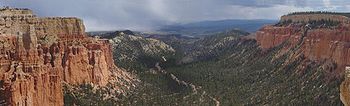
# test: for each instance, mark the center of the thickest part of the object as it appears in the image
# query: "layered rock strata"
(322, 43)
(38, 54)
(315, 43)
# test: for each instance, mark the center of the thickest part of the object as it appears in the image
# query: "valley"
(236, 68)
(301, 60)
(232, 67)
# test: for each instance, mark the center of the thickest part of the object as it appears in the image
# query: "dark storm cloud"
(148, 14)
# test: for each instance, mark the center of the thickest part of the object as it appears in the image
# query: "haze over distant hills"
(205, 27)
(174, 52)
(303, 59)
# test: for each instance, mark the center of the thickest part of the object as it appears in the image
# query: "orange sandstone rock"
(316, 44)
(38, 54)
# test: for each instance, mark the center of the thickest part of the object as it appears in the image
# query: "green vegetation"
(134, 52)
(323, 23)
(228, 71)
(160, 89)
(319, 12)
(86, 95)
(314, 24)
(210, 47)
(284, 23)
(48, 40)
(249, 77)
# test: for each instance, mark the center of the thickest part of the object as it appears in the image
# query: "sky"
(144, 15)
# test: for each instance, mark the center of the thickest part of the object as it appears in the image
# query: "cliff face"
(315, 43)
(319, 44)
(38, 54)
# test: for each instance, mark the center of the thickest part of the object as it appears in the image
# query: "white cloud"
(273, 12)
(327, 3)
(148, 14)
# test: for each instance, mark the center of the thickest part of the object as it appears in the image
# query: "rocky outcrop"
(147, 46)
(344, 88)
(315, 43)
(315, 17)
(132, 49)
(19, 20)
(38, 54)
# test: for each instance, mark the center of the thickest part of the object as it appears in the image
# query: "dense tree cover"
(239, 73)
(249, 77)
(324, 23)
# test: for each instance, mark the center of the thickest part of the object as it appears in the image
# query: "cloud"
(150, 14)
(327, 3)
(273, 12)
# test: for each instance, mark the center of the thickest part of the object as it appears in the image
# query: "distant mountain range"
(208, 27)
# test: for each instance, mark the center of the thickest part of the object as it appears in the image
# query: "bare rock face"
(316, 43)
(38, 54)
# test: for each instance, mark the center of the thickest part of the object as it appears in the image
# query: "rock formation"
(344, 88)
(38, 54)
(318, 43)
(132, 49)
(315, 17)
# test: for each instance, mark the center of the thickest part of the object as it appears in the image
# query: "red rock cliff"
(315, 43)
(38, 54)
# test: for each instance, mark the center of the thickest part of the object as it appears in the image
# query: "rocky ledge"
(38, 54)
(318, 37)
(316, 43)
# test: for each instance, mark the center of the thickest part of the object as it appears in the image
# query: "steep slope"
(38, 54)
(318, 37)
(345, 90)
(298, 61)
(142, 55)
(294, 62)
(240, 74)
(212, 46)
(133, 51)
(285, 66)
(233, 69)
(247, 75)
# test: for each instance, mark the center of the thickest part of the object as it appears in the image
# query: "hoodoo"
(38, 54)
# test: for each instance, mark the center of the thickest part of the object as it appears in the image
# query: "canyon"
(316, 43)
(38, 56)
(49, 60)
(322, 43)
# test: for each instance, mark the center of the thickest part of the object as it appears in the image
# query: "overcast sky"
(149, 14)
